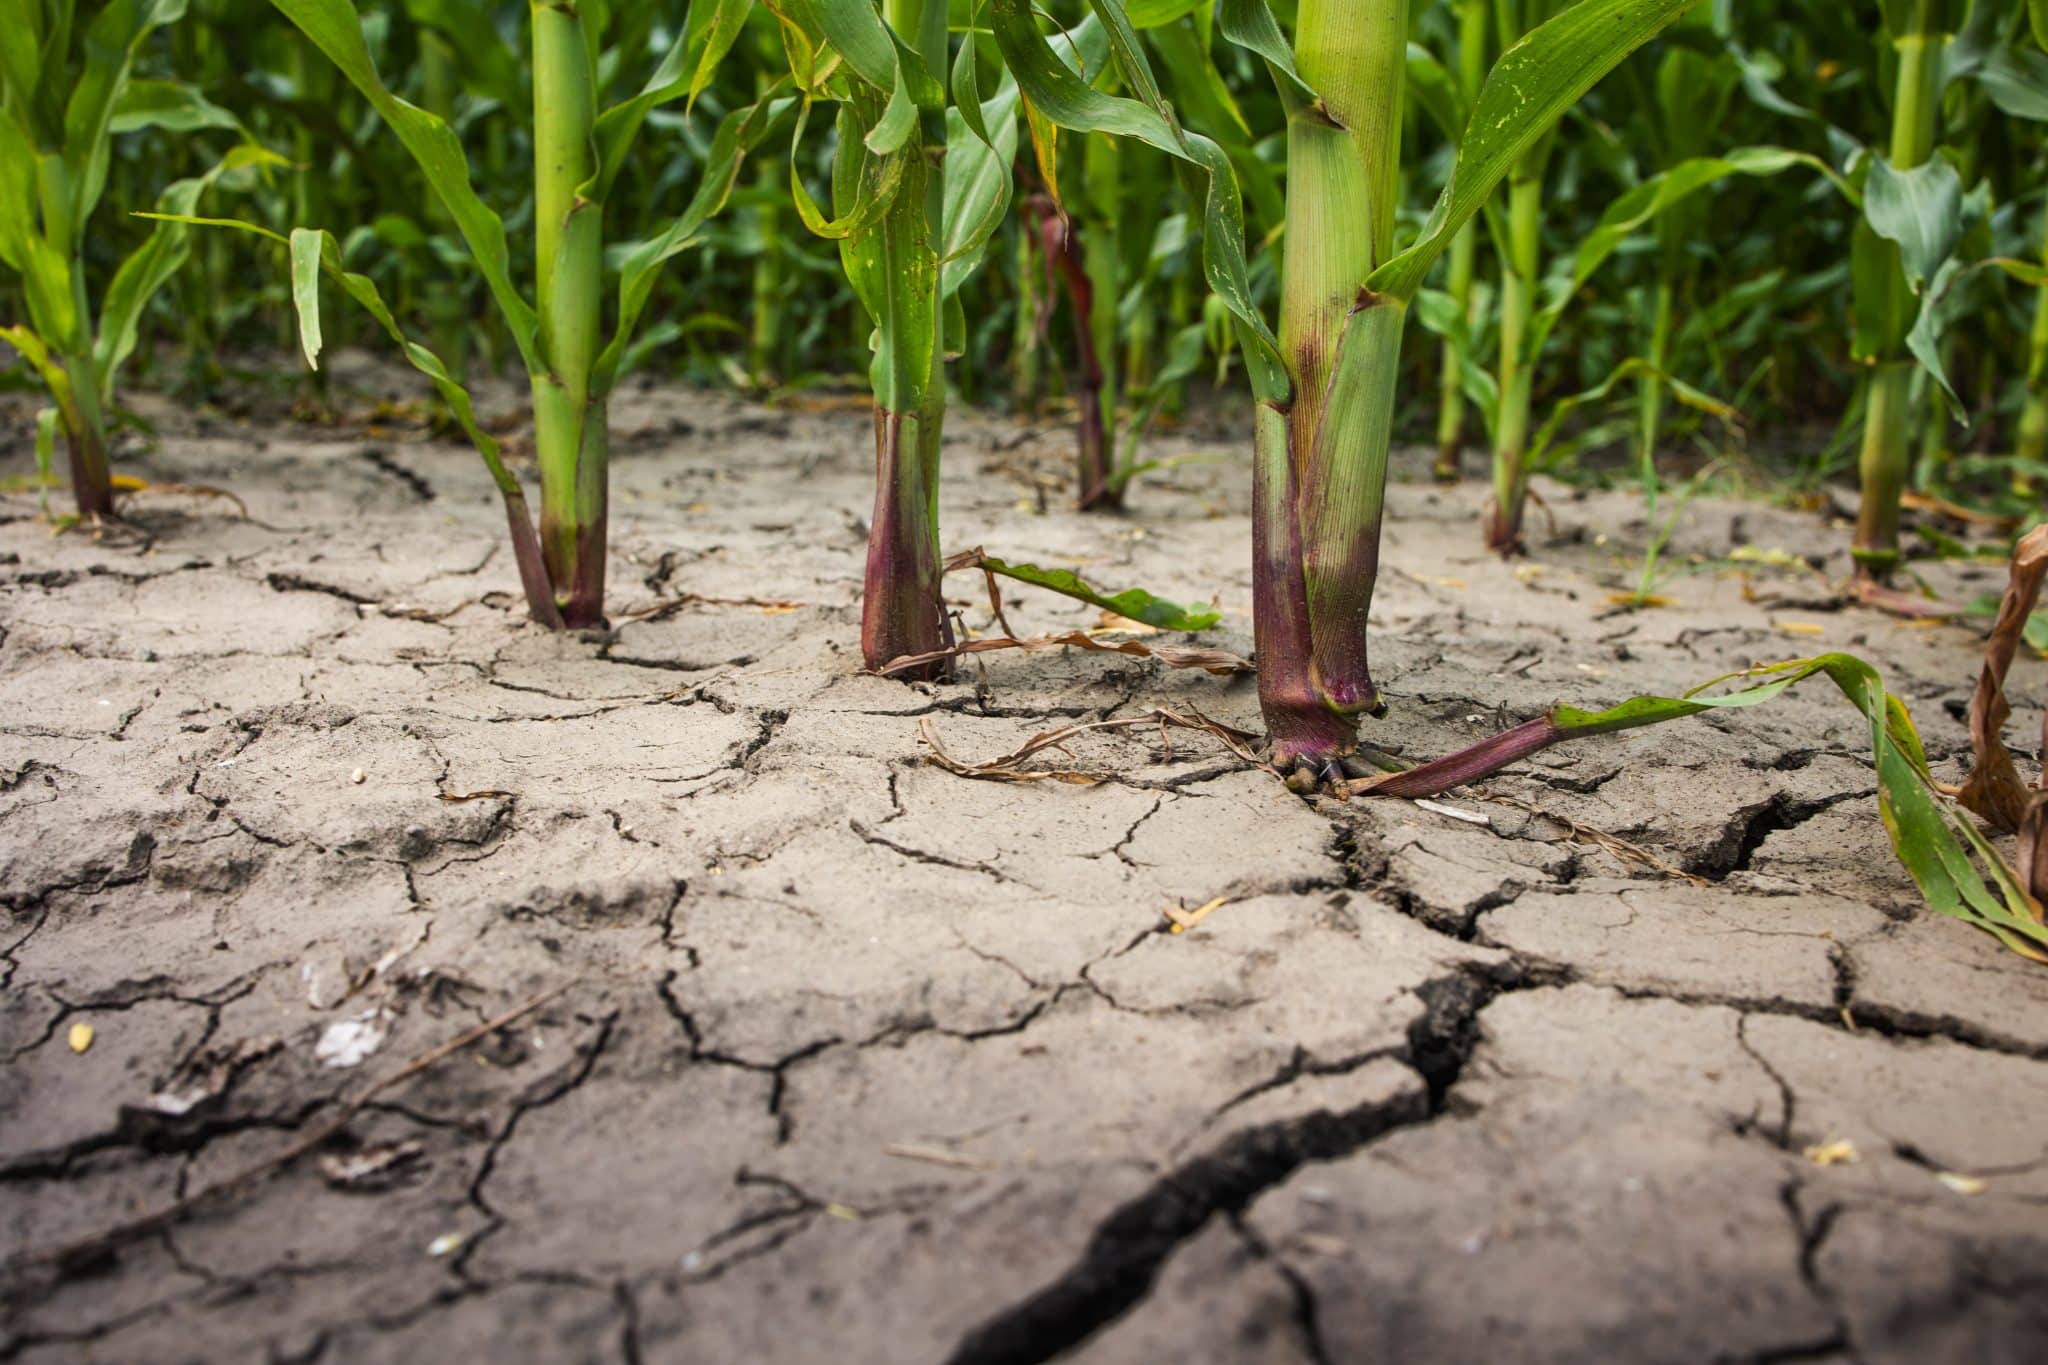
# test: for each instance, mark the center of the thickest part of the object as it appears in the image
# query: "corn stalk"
(1889, 281)
(66, 90)
(1464, 258)
(1520, 249)
(1324, 383)
(921, 179)
(572, 366)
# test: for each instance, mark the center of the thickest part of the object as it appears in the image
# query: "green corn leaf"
(1758, 75)
(311, 247)
(1134, 603)
(19, 225)
(897, 123)
(864, 186)
(710, 31)
(1958, 871)
(965, 80)
(1251, 25)
(618, 126)
(2037, 19)
(1940, 310)
(738, 133)
(977, 182)
(1054, 92)
(1204, 96)
(21, 66)
(1921, 210)
(1884, 307)
(305, 255)
(1635, 367)
(687, 68)
(1158, 13)
(171, 105)
(46, 279)
(1529, 88)
(2017, 82)
(855, 30)
(36, 352)
(336, 30)
(1440, 315)
(1436, 92)
(112, 39)
(1184, 355)
(2031, 273)
(1629, 213)
(487, 63)
(139, 277)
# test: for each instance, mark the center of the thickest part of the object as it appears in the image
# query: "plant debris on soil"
(702, 1009)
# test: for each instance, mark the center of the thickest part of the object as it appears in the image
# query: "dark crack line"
(579, 1072)
(1126, 1252)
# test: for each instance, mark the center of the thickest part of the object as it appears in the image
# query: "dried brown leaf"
(1995, 790)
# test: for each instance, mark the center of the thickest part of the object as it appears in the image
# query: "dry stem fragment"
(1184, 920)
(1220, 662)
(86, 1248)
(1009, 767)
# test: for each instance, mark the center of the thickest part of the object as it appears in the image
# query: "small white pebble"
(692, 1260)
(356, 777)
(104, 702)
(445, 1243)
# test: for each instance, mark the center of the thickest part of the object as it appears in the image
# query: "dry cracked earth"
(1648, 1052)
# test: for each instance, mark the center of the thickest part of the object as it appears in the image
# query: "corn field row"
(1779, 246)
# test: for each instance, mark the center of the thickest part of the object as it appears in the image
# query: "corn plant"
(921, 178)
(1325, 381)
(572, 366)
(1519, 246)
(1324, 426)
(67, 89)
(1912, 213)
(1472, 46)
(1117, 255)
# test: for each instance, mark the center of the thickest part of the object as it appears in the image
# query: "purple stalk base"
(1503, 528)
(583, 607)
(579, 584)
(533, 572)
(90, 483)
(1304, 729)
(902, 612)
(1062, 254)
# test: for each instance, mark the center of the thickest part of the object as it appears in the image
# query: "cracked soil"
(857, 1058)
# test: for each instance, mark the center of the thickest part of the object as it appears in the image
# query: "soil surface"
(1647, 1052)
